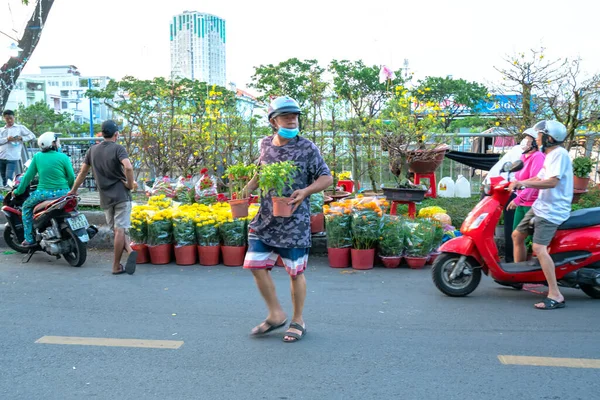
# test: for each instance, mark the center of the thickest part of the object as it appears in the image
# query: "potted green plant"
(239, 175)
(275, 178)
(582, 167)
(391, 241)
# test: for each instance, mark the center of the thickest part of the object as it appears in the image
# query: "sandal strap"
(294, 325)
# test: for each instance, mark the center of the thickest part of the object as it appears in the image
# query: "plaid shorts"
(263, 256)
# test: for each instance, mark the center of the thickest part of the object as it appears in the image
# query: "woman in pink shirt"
(533, 160)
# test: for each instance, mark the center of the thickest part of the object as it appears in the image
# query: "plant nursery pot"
(339, 258)
(185, 255)
(143, 257)
(580, 183)
(281, 207)
(327, 199)
(432, 257)
(362, 259)
(317, 223)
(416, 262)
(209, 255)
(233, 256)
(239, 208)
(391, 262)
(161, 254)
(425, 161)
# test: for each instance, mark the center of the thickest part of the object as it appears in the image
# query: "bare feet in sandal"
(295, 332)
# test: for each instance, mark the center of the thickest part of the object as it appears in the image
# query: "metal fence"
(583, 145)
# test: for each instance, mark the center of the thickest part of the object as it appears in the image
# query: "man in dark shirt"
(113, 173)
(287, 237)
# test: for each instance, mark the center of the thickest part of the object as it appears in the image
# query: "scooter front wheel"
(465, 283)
(11, 239)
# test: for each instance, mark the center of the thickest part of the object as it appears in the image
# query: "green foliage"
(454, 95)
(366, 229)
(582, 167)
(40, 118)
(277, 177)
(316, 203)
(393, 233)
(589, 199)
(239, 175)
(337, 225)
(233, 232)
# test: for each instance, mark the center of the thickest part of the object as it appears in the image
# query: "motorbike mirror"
(507, 166)
(516, 166)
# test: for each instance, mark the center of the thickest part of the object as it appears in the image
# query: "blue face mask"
(287, 133)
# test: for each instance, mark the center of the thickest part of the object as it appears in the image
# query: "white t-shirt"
(512, 155)
(12, 150)
(554, 204)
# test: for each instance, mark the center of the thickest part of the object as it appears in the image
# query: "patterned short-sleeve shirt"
(294, 231)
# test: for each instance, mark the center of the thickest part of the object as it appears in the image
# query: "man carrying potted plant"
(552, 207)
(287, 237)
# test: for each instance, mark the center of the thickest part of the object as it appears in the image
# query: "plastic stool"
(432, 192)
(412, 208)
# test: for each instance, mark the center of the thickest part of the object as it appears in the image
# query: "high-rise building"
(198, 47)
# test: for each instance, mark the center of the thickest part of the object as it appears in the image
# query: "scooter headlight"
(478, 221)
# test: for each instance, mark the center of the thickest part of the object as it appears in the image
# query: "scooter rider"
(56, 176)
(552, 207)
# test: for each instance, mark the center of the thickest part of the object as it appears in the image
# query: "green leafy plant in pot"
(582, 167)
(276, 178)
(239, 175)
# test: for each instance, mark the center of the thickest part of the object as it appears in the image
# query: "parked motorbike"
(59, 229)
(575, 249)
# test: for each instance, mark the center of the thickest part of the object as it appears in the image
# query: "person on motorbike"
(56, 176)
(533, 160)
(550, 209)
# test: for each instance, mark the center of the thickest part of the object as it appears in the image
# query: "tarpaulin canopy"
(474, 160)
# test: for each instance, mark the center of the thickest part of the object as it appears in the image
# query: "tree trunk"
(527, 117)
(9, 73)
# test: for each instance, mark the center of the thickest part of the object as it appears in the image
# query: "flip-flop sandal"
(131, 262)
(122, 271)
(295, 337)
(551, 304)
(271, 327)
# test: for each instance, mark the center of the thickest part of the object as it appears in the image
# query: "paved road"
(381, 334)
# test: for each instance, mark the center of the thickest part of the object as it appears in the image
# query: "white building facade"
(198, 47)
(63, 88)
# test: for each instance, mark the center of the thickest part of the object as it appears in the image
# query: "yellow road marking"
(90, 341)
(550, 361)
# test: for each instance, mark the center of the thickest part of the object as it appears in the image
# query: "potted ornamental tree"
(239, 175)
(275, 178)
(582, 167)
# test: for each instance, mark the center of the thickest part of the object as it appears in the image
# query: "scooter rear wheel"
(592, 291)
(462, 285)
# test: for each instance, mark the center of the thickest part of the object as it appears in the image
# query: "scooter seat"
(44, 205)
(582, 218)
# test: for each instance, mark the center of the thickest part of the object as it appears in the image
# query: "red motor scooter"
(59, 228)
(575, 249)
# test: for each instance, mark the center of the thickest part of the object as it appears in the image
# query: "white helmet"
(554, 129)
(46, 139)
(530, 132)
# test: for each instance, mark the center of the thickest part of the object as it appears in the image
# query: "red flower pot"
(362, 259)
(185, 255)
(239, 208)
(161, 254)
(391, 262)
(339, 258)
(209, 255)
(416, 262)
(432, 257)
(317, 223)
(281, 207)
(233, 256)
(143, 257)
